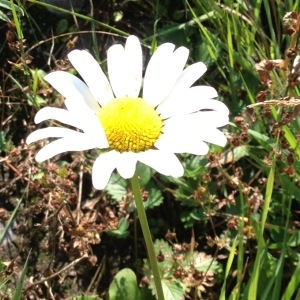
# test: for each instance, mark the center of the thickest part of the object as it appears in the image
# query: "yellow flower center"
(130, 124)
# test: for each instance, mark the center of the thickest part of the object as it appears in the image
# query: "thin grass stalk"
(280, 265)
(293, 284)
(19, 288)
(252, 291)
(227, 269)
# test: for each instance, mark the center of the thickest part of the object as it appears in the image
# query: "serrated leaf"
(161, 246)
(204, 262)
(124, 286)
(155, 198)
(188, 218)
(193, 166)
(117, 187)
(166, 266)
(173, 290)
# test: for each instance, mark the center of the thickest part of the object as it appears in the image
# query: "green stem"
(147, 235)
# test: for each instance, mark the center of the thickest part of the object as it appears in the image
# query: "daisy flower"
(169, 116)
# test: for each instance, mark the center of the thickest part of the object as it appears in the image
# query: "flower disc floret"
(130, 124)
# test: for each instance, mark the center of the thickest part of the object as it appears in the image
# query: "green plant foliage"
(154, 198)
(124, 286)
(2, 141)
(122, 231)
(145, 173)
(178, 267)
(8, 5)
(117, 187)
(19, 288)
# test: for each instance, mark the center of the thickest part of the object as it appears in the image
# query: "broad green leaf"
(124, 286)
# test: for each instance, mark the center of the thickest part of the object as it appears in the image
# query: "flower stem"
(147, 235)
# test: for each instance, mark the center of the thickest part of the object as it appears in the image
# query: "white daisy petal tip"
(177, 172)
(29, 140)
(102, 170)
(77, 54)
(99, 184)
(133, 41)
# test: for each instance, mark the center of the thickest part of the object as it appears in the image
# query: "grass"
(233, 217)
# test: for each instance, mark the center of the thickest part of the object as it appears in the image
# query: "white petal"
(84, 120)
(58, 114)
(80, 143)
(102, 169)
(186, 132)
(77, 106)
(188, 143)
(89, 123)
(209, 119)
(125, 68)
(73, 88)
(198, 120)
(92, 74)
(163, 162)
(189, 101)
(116, 66)
(126, 164)
(213, 136)
(190, 75)
(51, 132)
(163, 70)
(134, 60)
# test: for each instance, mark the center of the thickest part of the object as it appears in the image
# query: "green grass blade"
(252, 291)
(294, 284)
(10, 220)
(280, 265)
(227, 270)
(18, 292)
(16, 21)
